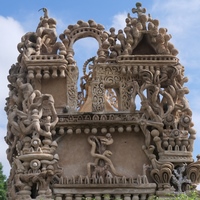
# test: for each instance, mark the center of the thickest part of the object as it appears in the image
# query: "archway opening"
(85, 51)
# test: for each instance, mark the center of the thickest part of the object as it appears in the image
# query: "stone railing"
(46, 66)
(148, 58)
(106, 192)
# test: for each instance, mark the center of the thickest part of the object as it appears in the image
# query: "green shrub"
(2, 184)
(193, 195)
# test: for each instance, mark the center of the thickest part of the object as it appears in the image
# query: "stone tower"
(126, 134)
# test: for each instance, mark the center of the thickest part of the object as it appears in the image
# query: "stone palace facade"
(126, 132)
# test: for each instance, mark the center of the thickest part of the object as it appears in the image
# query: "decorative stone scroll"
(69, 144)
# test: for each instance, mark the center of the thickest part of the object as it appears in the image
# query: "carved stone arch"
(84, 30)
(81, 33)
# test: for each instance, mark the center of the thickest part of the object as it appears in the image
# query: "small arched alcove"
(144, 48)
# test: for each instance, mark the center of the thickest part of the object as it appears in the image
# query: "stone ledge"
(105, 189)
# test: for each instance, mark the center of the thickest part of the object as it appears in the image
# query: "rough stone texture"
(100, 141)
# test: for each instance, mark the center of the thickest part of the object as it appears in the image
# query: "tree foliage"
(2, 184)
(193, 195)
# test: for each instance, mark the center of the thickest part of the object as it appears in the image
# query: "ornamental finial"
(45, 12)
(139, 10)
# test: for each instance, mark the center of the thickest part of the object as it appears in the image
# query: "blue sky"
(180, 17)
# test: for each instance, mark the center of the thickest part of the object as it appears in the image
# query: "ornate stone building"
(126, 134)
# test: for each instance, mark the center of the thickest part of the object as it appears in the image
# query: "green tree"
(193, 195)
(2, 184)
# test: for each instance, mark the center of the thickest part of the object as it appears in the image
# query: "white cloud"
(86, 47)
(3, 158)
(183, 11)
(118, 21)
(181, 18)
(11, 32)
(194, 100)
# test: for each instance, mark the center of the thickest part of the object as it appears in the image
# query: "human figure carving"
(35, 124)
(27, 46)
(28, 94)
(102, 164)
(14, 131)
(182, 103)
(46, 34)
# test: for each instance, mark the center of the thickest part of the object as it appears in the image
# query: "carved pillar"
(118, 196)
(127, 196)
(88, 196)
(68, 197)
(78, 197)
(106, 196)
(143, 197)
(124, 101)
(135, 197)
(97, 196)
(58, 197)
(150, 197)
(72, 76)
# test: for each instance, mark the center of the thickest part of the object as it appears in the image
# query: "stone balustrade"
(147, 58)
(105, 192)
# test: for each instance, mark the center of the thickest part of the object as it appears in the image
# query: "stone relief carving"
(102, 168)
(31, 119)
(134, 84)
